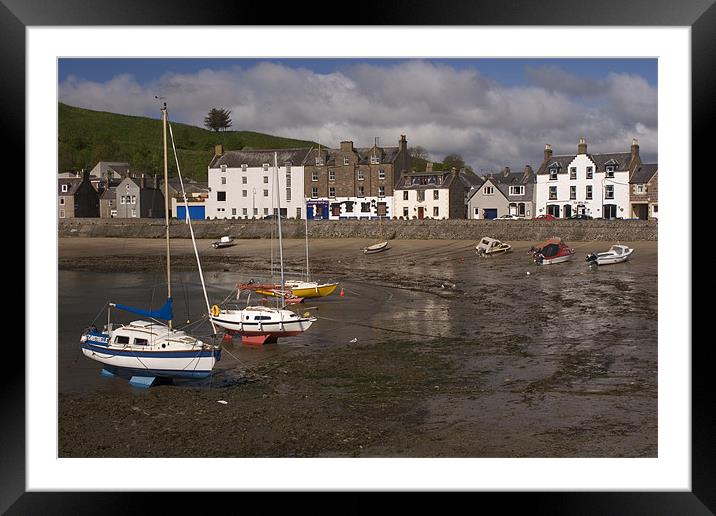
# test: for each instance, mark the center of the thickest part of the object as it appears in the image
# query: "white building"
(242, 184)
(582, 183)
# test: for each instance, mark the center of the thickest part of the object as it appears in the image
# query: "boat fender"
(215, 310)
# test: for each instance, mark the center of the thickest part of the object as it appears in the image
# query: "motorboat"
(260, 324)
(491, 246)
(551, 251)
(376, 248)
(616, 254)
(225, 241)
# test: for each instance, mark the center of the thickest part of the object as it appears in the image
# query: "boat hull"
(166, 364)
(556, 259)
(303, 292)
(275, 329)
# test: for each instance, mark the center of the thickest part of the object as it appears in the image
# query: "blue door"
(325, 211)
(490, 213)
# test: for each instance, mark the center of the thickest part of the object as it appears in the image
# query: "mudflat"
(430, 352)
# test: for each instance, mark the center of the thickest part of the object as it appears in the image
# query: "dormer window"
(553, 174)
(639, 189)
(287, 165)
(223, 169)
(266, 166)
(609, 170)
(374, 160)
(64, 188)
(244, 166)
(319, 161)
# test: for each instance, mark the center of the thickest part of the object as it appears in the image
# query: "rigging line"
(188, 221)
(101, 311)
(381, 328)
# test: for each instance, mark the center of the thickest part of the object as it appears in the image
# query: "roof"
(149, 185)
(109, 193)
(644, 173)
(386, 155)
(72, 184)
(257, 158)
(620, 159)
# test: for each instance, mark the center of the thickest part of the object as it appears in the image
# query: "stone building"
(506, 193)
(644, 192)
(139, 197)
(353, 183)
(76, 197)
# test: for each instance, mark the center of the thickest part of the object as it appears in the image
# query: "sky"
(493, 112)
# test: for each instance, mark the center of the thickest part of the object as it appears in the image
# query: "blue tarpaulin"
(164, 313)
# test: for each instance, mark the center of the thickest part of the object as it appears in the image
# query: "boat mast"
(308, 271)
(280, 244)
(166, 203)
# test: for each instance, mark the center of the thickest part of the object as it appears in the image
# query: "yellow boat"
(309, 289)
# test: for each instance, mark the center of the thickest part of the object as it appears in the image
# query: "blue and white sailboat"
(150, 348)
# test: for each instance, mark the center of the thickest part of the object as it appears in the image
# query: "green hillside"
(86, 137)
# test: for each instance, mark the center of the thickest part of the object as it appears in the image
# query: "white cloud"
(441, 108)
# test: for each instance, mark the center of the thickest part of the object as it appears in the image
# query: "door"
(567, 211)
(553, 209)
(421, 212)
(490, 213)
(325, 211)
(610, 211)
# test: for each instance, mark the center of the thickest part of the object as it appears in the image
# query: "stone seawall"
(519, 230)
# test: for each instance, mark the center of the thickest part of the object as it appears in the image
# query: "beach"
(430, 352)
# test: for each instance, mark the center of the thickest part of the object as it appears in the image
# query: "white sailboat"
(261, 324)
(148, 349)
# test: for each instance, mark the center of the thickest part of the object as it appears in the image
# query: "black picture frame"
(700, 15)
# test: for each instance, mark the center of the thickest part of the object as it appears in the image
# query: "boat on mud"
(225, 241)
(376, 248)
(616, 254)
(491, 246)
(551, 251)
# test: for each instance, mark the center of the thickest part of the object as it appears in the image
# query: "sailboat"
(148, 349)
(262, 324)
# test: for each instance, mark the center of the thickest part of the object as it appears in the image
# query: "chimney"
(634, 148)
(506, 171)
(85, 175)
(403, 143)
(547, 151)
(528, 171)
(218, 150)
(429, 166)
(156, 182)
(453, 170)
(582, 147)
(143, 182)
(347, 146)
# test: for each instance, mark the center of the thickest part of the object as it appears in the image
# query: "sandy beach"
(431, 352)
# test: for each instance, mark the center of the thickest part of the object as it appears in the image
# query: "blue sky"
(494, 112)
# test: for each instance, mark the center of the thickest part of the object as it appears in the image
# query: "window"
(314, 192)
(134, 212)
(552, 193)
(243, 180)
(489, 190)
(609, 192)
(517, 190)
(331, 191)
(288, 168)
(374, 160)
(346, 161)
(381, 174)
(265, 193)
(288, 194)
(121, 200)
(244, 193)
(221, 196)
(521, 209)
(365, 207)
(552, 174)
(421, 195)
(572, 192)
(244, 211)
(590, 172)
(589, 191)
(244, 167)
(405, 195)
(361, 175)
(436, 211)
(298, 213)
(140, 342)
(639, 189)
(233, 211)
(265, 180)
(349, 207)
(223, 168)
(331, 175)
(265, 211)
(223, 180)
(62, 201)
(319, 162)
(405, 211)
(256, 212)
(266, 165)
(288, 178)
(361, 191)
(134, 199)
(610, 170)
(64, 188)
(381, 191)
(656, 208)
(573, 172)
(62, 214)
(121, 339)
(314, 175)
(436, 194)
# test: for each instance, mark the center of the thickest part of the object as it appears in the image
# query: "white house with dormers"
(592, 184)
(242, 184)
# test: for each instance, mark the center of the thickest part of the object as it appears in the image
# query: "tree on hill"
(218, 119)
(419, 152)
(455, 160)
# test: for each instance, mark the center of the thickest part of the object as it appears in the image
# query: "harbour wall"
(518, 230)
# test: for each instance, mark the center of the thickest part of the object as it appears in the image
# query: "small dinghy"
(552, 251)
(225, 241)
(491, 246)
(376, 248)
(617, 253)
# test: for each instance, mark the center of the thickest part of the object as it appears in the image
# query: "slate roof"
(256, 158)
(72, 184)
(386, 154)
(644, 173)
(109, 193)
(621, 159)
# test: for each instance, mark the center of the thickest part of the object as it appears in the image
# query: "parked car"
(548, 216)
(508, 217)
(273, 216)
(581, 216)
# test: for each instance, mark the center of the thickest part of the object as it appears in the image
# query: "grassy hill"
(86, 137)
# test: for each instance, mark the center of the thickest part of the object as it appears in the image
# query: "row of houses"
(372, 183)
